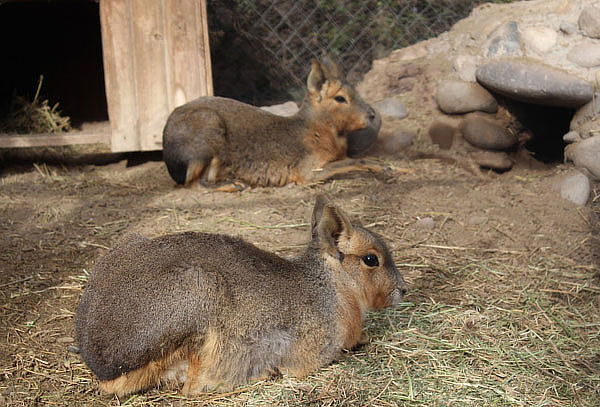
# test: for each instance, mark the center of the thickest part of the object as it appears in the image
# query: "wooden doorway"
(150, 57)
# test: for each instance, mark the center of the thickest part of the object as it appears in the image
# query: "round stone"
(505, 41)
(568, 28)
(539, 39)
(575, 188)
(572, 137)
(586, 113)
(534, 82)
(590, 128)
(391, 107)
(495, 160)
(425, 223)
(395, 141)
(487, 133)
(585, 154)
(589, 21)
(442, 134)
(465, 66)
(585, 55)
(456, 97)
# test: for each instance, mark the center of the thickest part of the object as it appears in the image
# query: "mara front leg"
(345, 166)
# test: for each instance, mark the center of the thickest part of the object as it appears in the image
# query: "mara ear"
(328, 224)
(320, 202)
(330, 68)
(316, 78)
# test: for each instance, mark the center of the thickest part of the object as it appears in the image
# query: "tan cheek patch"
(378, 289)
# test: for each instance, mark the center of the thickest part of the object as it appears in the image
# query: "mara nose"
(372, 115)
(403, 291)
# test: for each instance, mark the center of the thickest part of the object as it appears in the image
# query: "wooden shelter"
(155, 57)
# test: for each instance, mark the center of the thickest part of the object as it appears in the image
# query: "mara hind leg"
(193, 375)
(148, 376)
(205, 371)
(194, 172)
(192, 140)
(214, 174)
(133, 382)
(220, 366)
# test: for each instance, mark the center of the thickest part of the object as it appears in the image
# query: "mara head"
(329, 94)
(359, 258)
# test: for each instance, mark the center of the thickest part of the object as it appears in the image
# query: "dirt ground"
(504, 286)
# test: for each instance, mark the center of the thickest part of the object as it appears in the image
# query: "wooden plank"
(156, 57)
(150, 69)
(53, 139)
(203, 45)
(183, 57)
(117, 42)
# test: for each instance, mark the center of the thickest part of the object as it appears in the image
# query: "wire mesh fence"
(291, 32)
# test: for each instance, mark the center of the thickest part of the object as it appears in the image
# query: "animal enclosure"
(503, 272)
(118, 67)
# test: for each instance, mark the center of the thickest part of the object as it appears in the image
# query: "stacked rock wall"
(478, 88)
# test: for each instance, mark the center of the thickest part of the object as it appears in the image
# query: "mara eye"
(371, 260)
(340, 99)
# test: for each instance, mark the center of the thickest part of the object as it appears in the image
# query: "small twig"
(16, 281)
(434, 246)
(497, 228)
(254, 226)
(101, 246)
(39, 88)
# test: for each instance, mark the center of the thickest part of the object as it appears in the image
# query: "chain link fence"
(288, 33)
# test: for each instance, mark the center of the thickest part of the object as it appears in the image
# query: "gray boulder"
(456, 97)
(487, 133)
(534, 82)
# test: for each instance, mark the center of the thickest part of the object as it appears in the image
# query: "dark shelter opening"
(60, 40)
(545, 127)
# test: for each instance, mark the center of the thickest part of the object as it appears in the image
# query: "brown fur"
(219, 312)
(221, 140)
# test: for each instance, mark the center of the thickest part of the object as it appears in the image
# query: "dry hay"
(36, 116)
